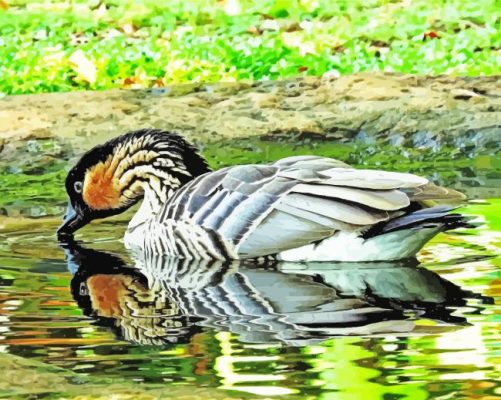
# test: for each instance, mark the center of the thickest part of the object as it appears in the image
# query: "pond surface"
(88, 320)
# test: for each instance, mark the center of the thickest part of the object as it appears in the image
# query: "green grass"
(146, 43)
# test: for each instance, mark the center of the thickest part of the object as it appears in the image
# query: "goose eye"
(78, 187)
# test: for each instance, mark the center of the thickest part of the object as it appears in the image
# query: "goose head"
(147, 164)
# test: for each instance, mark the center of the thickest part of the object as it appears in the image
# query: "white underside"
(349, 246)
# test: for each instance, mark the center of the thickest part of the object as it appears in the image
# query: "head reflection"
(162, 300)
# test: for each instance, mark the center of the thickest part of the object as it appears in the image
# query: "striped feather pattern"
(258, 210)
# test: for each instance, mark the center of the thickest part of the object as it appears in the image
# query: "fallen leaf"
(266, 16)
(379, 43)
(158, 83)
(83, 66)
(338, 49)
(331, 74)
(3, 5)
(293, 27)
(270, 25)
(232, 7)
(431, 35)
(41, 34)
(129, 29)
(129, 81)
(254, 30)
(101, 11)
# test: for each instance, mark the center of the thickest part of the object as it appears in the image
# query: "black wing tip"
(456, 220)
(425, 218)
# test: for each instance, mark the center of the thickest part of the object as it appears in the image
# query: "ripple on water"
(409, 331)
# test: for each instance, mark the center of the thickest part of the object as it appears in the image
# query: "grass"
(48, 46)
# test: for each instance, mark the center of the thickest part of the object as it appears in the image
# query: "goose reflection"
(164, 300)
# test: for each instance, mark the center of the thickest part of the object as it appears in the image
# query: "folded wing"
(266, 209)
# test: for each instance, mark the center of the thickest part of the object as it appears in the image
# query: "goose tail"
(397, 239)
(404, 236)
(439, 216)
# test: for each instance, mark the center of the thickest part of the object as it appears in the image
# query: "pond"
(89, 320)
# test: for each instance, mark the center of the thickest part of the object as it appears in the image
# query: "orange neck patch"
(107, 294)
(101, 189)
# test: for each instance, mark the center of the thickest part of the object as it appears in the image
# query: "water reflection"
(162, 300)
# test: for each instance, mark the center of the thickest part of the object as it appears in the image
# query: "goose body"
(303, 208)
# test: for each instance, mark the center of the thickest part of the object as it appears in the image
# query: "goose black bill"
(74, 219)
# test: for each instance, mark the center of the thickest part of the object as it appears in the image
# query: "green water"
(90, 321)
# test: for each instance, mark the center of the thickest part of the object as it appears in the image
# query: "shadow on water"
(162, 300)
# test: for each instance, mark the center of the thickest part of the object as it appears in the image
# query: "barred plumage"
(298, 208)
(256, 210)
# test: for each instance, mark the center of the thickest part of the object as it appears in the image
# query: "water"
(88, 319)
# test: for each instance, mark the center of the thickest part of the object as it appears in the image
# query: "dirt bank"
(399, 110)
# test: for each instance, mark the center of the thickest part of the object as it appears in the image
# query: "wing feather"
(265, 209)
(316, 218)
(431, 191)
(366, 178)
(381, 199)
(270, 236)
(337, 210)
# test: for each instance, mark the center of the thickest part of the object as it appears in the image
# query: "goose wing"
(266, 209)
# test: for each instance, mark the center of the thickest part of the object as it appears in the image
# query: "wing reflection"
(164, 300)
